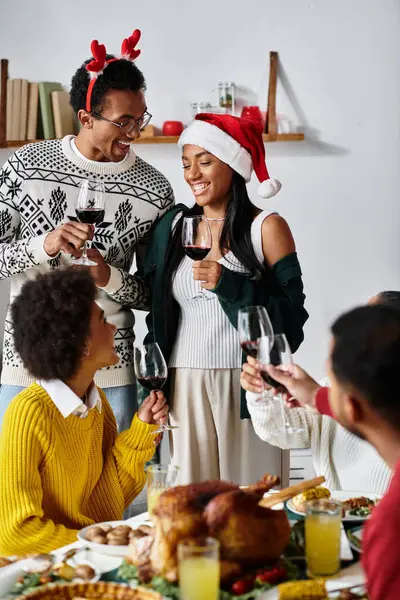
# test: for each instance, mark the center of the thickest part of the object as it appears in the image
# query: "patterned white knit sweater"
(346, 462)
(38, 188)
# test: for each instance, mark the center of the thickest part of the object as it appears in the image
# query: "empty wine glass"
(253, 324)
(151, 372)
(89, 208)
(280, 355)
(197, 242)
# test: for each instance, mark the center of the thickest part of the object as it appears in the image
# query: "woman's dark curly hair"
(51, 320)
(119, 75)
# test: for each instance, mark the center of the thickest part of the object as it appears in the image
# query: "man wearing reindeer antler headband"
(39, 186)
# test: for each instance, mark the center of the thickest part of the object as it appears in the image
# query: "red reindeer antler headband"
(96, 66)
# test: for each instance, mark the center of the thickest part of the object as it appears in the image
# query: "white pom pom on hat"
(237, 142)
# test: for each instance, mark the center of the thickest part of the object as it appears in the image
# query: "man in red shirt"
(363, 368)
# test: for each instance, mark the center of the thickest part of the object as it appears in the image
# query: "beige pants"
(212, 442)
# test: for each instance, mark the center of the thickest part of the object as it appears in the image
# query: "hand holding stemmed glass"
(196, 242)
(89, 208)
(254, 323)
(151, 372)
(277, 355)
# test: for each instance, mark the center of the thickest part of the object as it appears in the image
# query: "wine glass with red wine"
(253, 324)
(89, 208)
(151, 372)
(196, 242)
(279, 355)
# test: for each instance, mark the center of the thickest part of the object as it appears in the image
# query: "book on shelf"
(64, 116)
(16, 109)
(33, 105)
(46, 109)
(24, 110)
(9, 109)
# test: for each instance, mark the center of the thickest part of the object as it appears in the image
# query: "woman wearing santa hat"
(252, 261)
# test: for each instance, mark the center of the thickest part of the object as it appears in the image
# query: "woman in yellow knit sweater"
(62, 464)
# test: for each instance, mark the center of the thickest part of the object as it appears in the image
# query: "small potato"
(113, 534)
(93, 531)
(106, 528)
(122, 529)
(118, 541)
(85, 572)
(136, 534)
(99, 539)
(146, 529)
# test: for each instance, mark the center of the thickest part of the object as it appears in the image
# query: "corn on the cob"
(303, 590)
(312, 494)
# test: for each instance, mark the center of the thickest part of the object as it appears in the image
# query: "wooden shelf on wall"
(171, 139)
(270, 133)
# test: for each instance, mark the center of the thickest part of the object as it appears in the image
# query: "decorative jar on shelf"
(225, 94)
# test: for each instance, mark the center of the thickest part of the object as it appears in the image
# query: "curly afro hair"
(119, 75)
(51, 320)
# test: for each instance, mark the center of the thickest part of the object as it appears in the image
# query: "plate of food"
(112, 537)
(355, 537)
(36, 571)
(357, 506)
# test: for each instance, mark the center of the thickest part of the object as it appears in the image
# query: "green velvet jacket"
(280, 291)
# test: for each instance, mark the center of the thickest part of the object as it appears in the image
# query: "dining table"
(350, 574)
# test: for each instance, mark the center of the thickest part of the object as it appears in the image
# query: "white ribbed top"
(205, 338)
(346, 462)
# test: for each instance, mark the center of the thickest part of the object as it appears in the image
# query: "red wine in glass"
(250, 348)
(91, 216)
(196, 252)
(152, 383)
(275, 359)
(89, 208)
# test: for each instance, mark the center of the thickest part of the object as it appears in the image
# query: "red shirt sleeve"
(322, 402)
(381, 559)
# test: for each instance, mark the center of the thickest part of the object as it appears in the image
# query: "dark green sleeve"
(280, 291)
(146, 270)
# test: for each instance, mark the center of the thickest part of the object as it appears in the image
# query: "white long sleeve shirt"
(346, 461)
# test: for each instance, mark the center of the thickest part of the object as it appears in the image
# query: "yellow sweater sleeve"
(24, 446)
(131, 450)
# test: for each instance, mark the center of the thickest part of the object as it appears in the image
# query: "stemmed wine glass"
(151, 372)
(280, 355)
(89, 208)
(253, 324)
(197, 242)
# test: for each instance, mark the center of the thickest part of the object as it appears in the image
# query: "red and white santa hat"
(237, 142)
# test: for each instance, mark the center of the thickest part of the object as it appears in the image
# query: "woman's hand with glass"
(151, 372)
(208, 272)
(154, 409)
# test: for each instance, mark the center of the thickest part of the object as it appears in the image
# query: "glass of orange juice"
(199, 573)
(159, 478)
(323, 524)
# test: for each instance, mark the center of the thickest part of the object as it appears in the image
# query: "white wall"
(340, 63)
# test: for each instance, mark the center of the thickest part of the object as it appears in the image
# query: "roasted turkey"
(249, 535)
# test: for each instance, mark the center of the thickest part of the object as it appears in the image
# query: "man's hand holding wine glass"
(68, 237)
(299, 388)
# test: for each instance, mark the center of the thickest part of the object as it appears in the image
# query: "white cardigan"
(346, 462)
